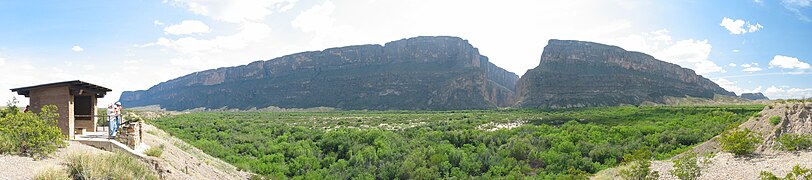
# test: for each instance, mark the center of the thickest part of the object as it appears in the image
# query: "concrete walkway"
(99, 140)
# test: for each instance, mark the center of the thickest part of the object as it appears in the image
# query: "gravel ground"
(726, 166)
(16, 167)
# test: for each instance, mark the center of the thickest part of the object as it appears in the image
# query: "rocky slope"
(796, 118)
(578, 74)
(754, 96)
(414, 73)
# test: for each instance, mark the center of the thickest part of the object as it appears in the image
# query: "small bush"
(107, 166)
(52, 174)
(155, 151)
(686, 167)
(739, 142)
(794, 142)
(30, 134)
(757, 114)
(639, 162)
(797, 173)
(775, 120)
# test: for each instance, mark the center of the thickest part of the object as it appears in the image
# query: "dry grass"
(112, 166)
(52, 174)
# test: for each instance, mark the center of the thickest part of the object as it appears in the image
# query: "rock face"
(415, 73)
(754, 96)
(579, 74)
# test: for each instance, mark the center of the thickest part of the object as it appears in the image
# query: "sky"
(744, 46)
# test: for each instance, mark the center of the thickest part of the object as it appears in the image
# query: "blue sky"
(745, 46)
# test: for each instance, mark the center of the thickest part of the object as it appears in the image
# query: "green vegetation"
(639, 163)
(29, 134)
(794, 142)
(775, 120)
(686, 167)
(797, 173)
(740, 142)
(155, 151)
(107, 166)
(102, 122)
(567, 143)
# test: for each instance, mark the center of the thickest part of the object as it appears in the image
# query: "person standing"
(111, 114)
(118, 114)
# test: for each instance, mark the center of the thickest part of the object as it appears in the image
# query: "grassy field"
(447, 144)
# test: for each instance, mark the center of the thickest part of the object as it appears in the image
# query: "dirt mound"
(794, 119)
(182, 161)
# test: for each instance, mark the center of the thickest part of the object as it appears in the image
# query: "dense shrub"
(739, 143)
(775, 120)
(794, 142)
(30, 134)
(107, 166)
(686, 167)
(554, 144)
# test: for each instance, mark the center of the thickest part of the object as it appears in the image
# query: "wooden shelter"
(75, 100)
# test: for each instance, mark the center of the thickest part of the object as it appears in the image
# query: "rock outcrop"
(417, 73)
(754, 96)
(579, 74)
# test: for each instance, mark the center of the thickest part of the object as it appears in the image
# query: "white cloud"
(788, 62)
(746, 65)
(319, 21)
(77, 49)
(2, 61)
(785, 92)
(738, 26)
(752, 69)
(688, 53)
(315, 18)
(187, 27)
(732, 64)
(735, 50)
(249, 33)
(157, 23)
(235, 11)
(796, 6)
(731, 86)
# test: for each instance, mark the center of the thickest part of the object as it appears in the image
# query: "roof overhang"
(76, 88)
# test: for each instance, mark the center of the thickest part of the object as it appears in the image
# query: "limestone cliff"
(415, 73)
(579, 74)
